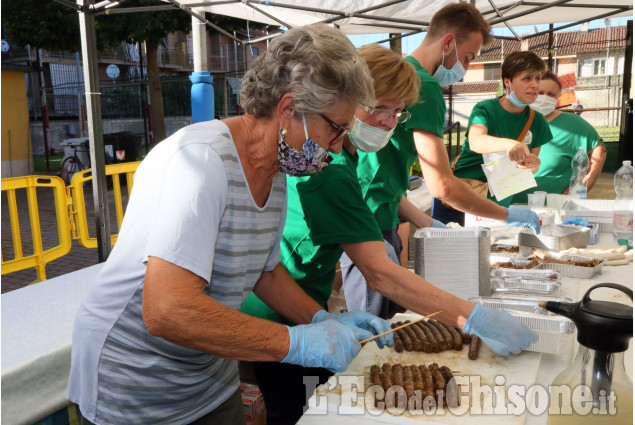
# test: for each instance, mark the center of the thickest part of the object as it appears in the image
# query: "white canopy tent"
(350, 16)
(399, 16)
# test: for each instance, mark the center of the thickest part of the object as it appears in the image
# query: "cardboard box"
(253, 402)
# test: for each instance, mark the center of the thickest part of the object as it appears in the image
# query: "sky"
(408, 44)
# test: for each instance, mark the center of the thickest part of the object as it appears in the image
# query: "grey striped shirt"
(190, 206)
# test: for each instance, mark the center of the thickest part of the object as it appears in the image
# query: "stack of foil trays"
(556, 334)
(455, 260)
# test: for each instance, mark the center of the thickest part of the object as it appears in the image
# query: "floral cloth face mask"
(312, 160)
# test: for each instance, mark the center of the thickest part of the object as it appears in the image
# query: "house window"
(491, 72)
(594, 67)
(599, 67)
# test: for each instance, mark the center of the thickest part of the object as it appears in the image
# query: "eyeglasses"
(339, 130)
(384, 115)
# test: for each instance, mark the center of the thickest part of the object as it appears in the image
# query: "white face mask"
(367, 138)
(544, 104)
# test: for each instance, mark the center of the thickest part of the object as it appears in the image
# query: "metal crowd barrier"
(71, 215)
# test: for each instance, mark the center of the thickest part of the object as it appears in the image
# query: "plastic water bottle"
(623, 207)
(579, 166)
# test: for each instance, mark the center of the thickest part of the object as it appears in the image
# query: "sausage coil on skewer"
(398, 341)
(456, 337)
(407, 342)
(416, 342)
(428, 384)
(432, 335)
(447, 337)
(421, 336)
(451, 387)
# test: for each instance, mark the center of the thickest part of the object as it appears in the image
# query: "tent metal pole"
(579, 5)
(573, 24)
(500, 15)
(625, 148)
(550, 49)
(268, 15)
(95, 128)
(190, 12)
(529, 12)
(400, 36)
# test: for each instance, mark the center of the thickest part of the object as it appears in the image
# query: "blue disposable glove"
(577, 221)
(502, 332)
(437, 223)
(360, 319)
(329, 344)
(523, 217)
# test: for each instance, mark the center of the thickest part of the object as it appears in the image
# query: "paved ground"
(77, 258)
(80, 257)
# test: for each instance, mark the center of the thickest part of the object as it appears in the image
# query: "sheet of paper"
(503, 178)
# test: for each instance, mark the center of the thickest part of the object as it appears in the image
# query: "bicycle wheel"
(70, 166)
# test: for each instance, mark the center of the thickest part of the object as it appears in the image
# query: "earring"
(283, 133)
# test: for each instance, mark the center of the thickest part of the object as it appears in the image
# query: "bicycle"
(72, 163)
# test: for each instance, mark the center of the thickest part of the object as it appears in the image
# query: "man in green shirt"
(570, 131)
(327, 215)
(455, 37)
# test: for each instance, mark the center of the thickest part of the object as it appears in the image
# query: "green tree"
(50, 25)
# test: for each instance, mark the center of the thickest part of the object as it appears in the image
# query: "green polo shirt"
(499, 123)
(323, 212)
(570, 131)
(384, 176)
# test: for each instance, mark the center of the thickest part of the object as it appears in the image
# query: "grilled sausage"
(475, 345)
(447, 338)
(425, 344)
(432, 337)
(398, 341)
(416, 342)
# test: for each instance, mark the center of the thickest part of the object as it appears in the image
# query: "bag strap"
(527, 125)
(520, 138)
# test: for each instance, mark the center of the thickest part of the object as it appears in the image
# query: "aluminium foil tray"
(517, 285)
(595, 210)
(570, 270)
(556, 237)
(555, 333)
(527, 304)
(535, 273)
(456, 260)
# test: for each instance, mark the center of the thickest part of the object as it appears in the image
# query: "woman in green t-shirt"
(327, 215)
(570, 132)
(495, 124)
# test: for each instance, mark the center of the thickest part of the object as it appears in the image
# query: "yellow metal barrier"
(80, 219)
(40, 257)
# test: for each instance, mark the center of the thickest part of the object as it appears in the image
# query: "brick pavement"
(77, 258)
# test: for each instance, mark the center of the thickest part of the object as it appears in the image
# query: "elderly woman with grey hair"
(157, 338)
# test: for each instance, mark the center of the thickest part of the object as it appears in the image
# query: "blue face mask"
(445, 76)
(515, 101)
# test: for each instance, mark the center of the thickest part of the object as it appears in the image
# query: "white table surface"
(550, 365)
(37, 327)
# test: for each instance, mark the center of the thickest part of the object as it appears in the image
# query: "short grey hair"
(316, 64)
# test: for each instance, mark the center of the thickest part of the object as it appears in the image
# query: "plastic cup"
(553, 200)
(535, 200)
(541, 196)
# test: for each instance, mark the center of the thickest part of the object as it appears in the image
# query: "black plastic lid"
(602, 325)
